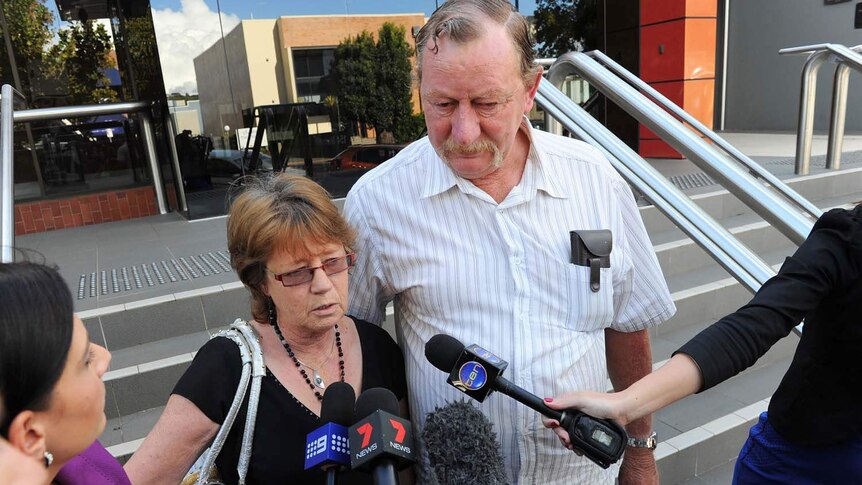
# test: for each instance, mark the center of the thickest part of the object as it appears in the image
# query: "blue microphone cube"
(326, 445)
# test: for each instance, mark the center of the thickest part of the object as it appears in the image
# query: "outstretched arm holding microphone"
(812, 428)
(678, 378)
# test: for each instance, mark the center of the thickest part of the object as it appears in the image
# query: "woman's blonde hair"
(289, 213)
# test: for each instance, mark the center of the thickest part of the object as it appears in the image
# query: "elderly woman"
(53, 397)
(290, 246)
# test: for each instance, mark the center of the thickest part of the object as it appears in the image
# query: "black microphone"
(462, 446)
(327, 447)
(380, 441)
(476, 372)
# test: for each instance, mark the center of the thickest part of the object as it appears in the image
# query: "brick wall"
(84, 210)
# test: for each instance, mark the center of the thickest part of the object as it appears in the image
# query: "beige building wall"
(315, 31)
(256, 76)
(187, 120)
(266, 72)
(260, 61)
(215, 76)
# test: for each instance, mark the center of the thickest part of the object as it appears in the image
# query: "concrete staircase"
(153, 340)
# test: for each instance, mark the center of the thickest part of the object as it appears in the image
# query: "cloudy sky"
(184, 28)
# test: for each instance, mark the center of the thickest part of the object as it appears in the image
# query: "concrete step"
(721, 205)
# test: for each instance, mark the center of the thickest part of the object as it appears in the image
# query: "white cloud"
(182, 35)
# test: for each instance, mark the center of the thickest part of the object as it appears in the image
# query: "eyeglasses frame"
(351, 261)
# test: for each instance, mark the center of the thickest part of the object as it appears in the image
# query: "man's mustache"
(450, 147)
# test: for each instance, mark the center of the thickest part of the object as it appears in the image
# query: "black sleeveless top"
(278, 450)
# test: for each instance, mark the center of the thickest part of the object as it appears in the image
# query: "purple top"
(95, 466)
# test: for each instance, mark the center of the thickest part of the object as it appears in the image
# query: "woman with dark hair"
(50, 372)
(291, 248)
(812, 432)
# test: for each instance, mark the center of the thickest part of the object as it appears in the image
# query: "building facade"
(718, 59)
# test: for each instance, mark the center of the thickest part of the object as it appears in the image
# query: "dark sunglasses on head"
(330, 267)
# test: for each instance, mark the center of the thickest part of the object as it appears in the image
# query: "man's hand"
(638, 467)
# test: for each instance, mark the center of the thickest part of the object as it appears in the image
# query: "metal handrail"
(40, 114)
(731, 150)
(775, 210)
(9, 116)
(737, 259)
(846, 58)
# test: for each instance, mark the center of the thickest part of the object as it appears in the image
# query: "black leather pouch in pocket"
(593, 250)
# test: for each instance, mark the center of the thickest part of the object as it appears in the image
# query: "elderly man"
(467, 231)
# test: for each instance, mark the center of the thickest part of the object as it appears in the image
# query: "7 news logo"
(366, 431)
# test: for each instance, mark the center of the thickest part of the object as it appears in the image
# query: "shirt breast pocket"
(589, 310)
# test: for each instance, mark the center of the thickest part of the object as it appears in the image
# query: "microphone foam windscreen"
(462, 446)
(337, 406)
(374, 399)
(443, 351)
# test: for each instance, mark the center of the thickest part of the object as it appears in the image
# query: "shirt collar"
(441, 178)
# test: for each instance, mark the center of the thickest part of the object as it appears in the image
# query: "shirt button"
(516, 261)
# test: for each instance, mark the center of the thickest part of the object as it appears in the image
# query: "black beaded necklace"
(273, 320)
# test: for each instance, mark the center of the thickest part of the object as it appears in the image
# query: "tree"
(353, 75)
(566, 25)
(374, 82)
(29, 24)
(140, 45)
(80, 58)
(391, 106)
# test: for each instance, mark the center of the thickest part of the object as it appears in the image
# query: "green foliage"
(141, 46)
(374, 82)
(392, 104)
(409, 129)
(29, 23)
(566, 25)
(79, 59)
(353, 76)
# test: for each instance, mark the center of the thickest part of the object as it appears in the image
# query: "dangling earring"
(49, 458)
(272, 318)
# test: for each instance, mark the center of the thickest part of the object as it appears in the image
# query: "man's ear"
(27, 434)
(531, 93)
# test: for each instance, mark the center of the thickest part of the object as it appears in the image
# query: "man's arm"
(629, 358)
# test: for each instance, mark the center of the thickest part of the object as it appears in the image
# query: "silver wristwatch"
(649, 442)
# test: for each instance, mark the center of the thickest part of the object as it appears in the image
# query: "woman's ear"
(27, 434)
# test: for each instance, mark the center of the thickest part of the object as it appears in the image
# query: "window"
(310, 66)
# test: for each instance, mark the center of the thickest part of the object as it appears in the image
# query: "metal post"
(7, 186)
(152, 159)
(175, 159)
(839, 114)
(805, 128)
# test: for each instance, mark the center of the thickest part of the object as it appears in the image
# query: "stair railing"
(738, 260)
(776, 210)
(755, 168)
(846, 58)
(743, 264)
(9, 115)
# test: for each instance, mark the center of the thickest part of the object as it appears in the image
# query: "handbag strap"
(253, 370)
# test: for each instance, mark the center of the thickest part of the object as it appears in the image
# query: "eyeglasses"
(330, 267)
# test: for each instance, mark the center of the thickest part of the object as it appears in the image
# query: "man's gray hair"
(461, 21)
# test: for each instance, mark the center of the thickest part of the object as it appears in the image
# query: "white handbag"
(204, 472)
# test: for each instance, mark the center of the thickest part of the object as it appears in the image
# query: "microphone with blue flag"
(328, 446)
